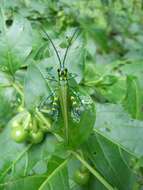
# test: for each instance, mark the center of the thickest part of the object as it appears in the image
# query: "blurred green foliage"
(107, 58)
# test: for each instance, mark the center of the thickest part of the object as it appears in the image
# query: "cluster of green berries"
(24, 128)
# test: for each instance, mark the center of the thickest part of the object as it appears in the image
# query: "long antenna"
(65, 55)
(53, 46)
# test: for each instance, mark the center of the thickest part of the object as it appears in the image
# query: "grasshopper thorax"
(62, 74)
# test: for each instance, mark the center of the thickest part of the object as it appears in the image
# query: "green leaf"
(58, 176)
(36, 86)
(76, 58)
(105, 81)
(132, 101)
(7, 105)
(111, 161)
(117, 126)
(99, 35)
(4, 79)
(91, 48)
(134, 69)
(9, 99)
(83, 127)
(15, 44)
(22, 164)
(29, 182)
(116, 92)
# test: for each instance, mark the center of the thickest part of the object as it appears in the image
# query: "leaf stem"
(94, 82)
(18, 89)
(40, 115)
(93, 171)
(5, 85)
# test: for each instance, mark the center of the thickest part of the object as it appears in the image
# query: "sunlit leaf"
(15, 45)
(117, 126)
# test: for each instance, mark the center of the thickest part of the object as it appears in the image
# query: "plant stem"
(94, 83)
(18, 89)
(93, 171)
(5, 85)
(40, 115)
(26, 121)
(16, 86)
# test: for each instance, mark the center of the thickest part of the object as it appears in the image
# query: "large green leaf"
(19, 153)
(15, 44)
(56, 178)
(117, 126)
(82, 128)
(111, 161)
(76, 58)
(24, 166)
(105, 81)
(133, 99)
(133, 68)
(8, 99)
(36, 87)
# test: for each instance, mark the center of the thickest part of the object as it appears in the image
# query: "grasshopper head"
(62, 74)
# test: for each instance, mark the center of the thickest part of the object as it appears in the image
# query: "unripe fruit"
(81, 178)
(18, 134)
(36, 137)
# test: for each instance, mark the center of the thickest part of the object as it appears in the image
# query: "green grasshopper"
(64, 95)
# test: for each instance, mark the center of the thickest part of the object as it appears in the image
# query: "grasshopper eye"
(58, 70)
(66, 70)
